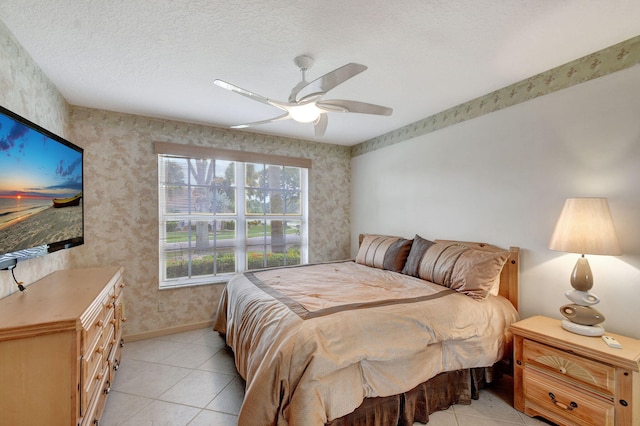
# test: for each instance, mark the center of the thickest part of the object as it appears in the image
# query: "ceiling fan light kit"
(305, 104)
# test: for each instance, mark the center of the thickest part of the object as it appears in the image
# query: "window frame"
(241, 216)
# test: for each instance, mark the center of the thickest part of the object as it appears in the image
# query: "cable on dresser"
(19, 283)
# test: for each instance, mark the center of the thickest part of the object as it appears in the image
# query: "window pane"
(202, 263)
(277, 236)
(255, 258)
(292, 230)
(176, 264)
(254, 176)
(225, 201)
(258, 257)
(224, 188)
(226, 261)
(178, 236)
(174, 184)
(293, 255)
(200, 171)
(225, 173)
(292, 178)
(275, 203)
(254, 201)
(175, 171)
(225, 233)
(274, 177)
(256, 232)
(202, 200)
(292, 204)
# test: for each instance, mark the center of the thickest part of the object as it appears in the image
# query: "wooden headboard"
(510, 272)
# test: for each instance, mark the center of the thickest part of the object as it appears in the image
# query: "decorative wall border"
(606, 61)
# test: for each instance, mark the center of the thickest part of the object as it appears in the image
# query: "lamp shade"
(585, 226)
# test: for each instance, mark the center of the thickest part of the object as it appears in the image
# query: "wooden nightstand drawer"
(556, 398)
(554, 367)
(592, 374)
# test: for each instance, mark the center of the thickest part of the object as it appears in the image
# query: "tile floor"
(190, 379)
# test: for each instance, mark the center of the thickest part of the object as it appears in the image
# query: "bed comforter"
(313, 341)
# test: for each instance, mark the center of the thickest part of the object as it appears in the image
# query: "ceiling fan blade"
(242, 91)
(320, 125)
(295, 90)
(342, 105)
(257, 123)
(328, 81)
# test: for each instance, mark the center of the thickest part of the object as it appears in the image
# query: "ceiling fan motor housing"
(303, 62)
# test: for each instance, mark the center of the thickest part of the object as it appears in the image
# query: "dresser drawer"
(595, 375)
(92, 373)
(545, 394)
(93, 330)
(97, 397)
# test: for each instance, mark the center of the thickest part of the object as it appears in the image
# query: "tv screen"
(41, 205)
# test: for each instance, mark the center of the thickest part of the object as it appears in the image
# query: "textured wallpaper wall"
(120, 196)
(25, 90)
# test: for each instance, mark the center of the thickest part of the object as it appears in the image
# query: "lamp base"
(585, 330)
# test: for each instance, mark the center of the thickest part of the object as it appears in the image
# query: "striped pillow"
(468, 271)
(418, 248)
(384, 252)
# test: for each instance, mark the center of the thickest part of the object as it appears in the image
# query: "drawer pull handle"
(569, 407)
(624, 403)
(99, 376)
(100, 323)
(100, 349)
(563, 370)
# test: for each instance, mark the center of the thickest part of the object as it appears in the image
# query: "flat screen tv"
(41, 204)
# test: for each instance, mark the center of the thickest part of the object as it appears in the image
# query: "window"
(219, 215)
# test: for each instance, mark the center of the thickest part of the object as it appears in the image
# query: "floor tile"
(151, 350)
(230, 399)
(483, 421)
(222, 362)
(210, 418)
(211, 339)
(147, 378)
(490, 405)
(197, 389)
(127, 406)
(189, 356)
(187, 336)
(441, 418)
(160, 413)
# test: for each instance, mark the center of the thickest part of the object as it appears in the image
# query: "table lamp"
(585, 226)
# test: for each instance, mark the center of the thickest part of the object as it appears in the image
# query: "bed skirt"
(436, 394)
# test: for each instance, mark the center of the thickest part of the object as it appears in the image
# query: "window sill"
(181, 283)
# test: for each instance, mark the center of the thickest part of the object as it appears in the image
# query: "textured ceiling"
(159, 58)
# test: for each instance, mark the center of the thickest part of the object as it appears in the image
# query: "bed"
(405, 329)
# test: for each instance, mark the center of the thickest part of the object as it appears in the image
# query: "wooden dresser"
(60, 347)
(572, 379)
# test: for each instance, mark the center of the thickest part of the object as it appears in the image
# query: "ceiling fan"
(305, 104)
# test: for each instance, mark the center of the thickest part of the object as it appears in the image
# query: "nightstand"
(572, 379)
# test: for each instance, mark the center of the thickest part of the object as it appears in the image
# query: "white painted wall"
(502, 178)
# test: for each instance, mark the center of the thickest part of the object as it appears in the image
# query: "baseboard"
(167, 331)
